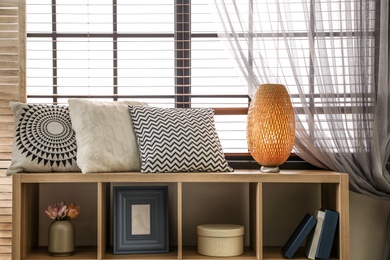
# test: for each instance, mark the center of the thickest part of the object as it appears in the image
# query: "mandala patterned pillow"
(44, 140)
(178, 140)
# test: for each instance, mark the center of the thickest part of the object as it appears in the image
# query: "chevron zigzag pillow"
(178, 140)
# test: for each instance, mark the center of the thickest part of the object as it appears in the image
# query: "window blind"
(167, 53)
(280, 34)
(11, 75)
(162, 52)
(11, 78)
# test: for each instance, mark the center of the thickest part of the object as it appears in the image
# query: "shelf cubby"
(259, 198)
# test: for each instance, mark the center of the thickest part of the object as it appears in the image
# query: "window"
(317, 48)
(141, 50)
(165, 53)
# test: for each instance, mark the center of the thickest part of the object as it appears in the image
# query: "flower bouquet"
(61, 211)
(61, 230)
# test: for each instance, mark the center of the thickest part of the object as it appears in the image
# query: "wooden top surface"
(290, 176)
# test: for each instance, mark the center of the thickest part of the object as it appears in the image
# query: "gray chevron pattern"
(178, 140)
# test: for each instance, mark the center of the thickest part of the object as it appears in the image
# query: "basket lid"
(220, 230)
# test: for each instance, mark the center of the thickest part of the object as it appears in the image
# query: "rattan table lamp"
(271, 126)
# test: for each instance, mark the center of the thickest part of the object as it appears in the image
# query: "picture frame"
(140, 220)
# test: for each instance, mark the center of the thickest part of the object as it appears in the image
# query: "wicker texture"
(271, 125)
(220, 239)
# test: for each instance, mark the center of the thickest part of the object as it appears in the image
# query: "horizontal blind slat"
(130, 63)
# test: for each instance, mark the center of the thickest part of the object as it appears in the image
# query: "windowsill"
(247, 162)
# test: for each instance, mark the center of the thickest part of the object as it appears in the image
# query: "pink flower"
(52, 211)
(61, 211)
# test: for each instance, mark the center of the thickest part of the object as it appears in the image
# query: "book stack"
(318, 232)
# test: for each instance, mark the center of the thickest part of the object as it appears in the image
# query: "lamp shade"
(271, 126)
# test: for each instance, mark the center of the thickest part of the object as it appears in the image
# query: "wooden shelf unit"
(333, 187)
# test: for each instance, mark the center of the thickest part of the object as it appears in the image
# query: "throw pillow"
(44, 140)
(178, 140)
(104, 134)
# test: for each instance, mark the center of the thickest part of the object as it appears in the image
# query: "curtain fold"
(333, 58)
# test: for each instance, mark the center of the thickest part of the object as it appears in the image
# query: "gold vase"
(61, 238)
(271, 126)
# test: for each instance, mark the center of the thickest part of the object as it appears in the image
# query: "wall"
(368, 216)
(368, 221)
(5, 215)
(202, 203)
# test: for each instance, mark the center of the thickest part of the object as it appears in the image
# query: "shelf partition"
(333, 187)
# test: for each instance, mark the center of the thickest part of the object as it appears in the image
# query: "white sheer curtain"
(333, 57)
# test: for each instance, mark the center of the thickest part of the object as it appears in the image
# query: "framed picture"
(140, 220)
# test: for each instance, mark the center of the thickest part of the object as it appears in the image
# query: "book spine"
(312, 242)
(326, 238)
(299, 235)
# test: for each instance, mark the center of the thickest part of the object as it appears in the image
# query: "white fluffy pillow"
(105, 137)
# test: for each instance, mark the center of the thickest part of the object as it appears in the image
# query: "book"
(299, 235)
(313, 238)
(327, 234)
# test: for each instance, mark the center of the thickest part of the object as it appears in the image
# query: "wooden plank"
(5, 256)
(22, 79)
(259, 219)
(6, 211)
(7, 141)
(5, 43)
(238, 176)
(5, 156)
(5, 249)
(8, 11)
(8, 27)
(343, 208)
(256, 205)
(5, 226)
(6, 219)
(6, 144)
(5, 203)
(7, 129)
(5, 179)
(102, 219)
(5, 102)
(5, 188)
(5, 110)
(17, 217)
(22, 197)
(9, 19)
(9, 56)
(7, 125)
(9, 81)
(7, 85)
(6, 195)
(9, 90)
(8, 73)
(180, 220)
(9, 65)
(5, 241)
(8, 96)
(5, 233)
(8, 3)
(7, 118)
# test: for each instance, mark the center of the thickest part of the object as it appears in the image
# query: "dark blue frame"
(124, 241)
